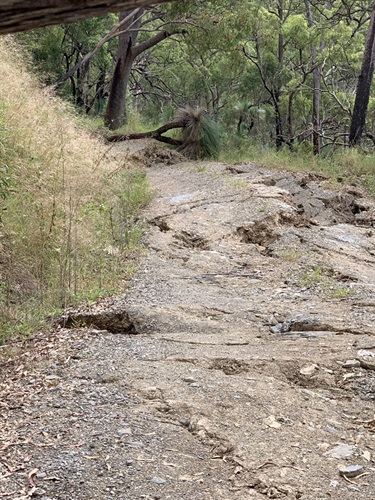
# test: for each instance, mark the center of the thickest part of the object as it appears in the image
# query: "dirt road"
(240, 365)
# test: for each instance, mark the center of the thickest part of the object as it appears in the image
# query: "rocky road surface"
(240, 365)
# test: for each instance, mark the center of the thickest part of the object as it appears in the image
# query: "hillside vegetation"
(68, 207)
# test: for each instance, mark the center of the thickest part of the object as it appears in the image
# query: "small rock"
(129, 462)
(158, 480)
(195, 384)
(334, 483)
(272, 422)
(39, 492)
(340, 451)
(96, 332)
(309, 370)
(351, 487)
(185, 423)
(125, 431)
(365, 353)
(367, 456)
(369, 365)
(279, 328)
(330, 429)
(136, 444)
(351, 363)
(351, 470)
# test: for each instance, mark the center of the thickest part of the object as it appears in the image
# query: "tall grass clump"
(69, 210)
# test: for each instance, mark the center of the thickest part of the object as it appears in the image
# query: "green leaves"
(296, 31)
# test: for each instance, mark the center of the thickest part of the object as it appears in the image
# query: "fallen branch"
(152, 134)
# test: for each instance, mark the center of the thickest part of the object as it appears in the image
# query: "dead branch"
(112, 34)
(152, 134)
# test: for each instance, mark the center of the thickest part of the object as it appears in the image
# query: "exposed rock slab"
(251, 372)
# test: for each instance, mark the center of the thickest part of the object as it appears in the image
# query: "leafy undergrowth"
(69, 228)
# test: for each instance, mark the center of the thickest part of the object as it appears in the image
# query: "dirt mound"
(146, 153)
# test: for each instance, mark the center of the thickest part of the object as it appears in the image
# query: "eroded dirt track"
(240, 365)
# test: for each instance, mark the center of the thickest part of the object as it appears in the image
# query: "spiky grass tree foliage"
(200, 134)
(199, 137)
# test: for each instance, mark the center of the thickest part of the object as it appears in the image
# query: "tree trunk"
(316, 88)
(153, 134)
(362, 97)
(278, 120)
(278, 83)
(115, 113)
(316, 107)
(88, 56)
(82, 86)
(290, 116)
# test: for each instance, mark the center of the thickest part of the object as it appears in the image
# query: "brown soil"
(241, 358)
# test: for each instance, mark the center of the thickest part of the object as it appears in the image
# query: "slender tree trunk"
(115, 113)
(362, 97)
(278, 83)
(316, 87)
(82, 86)
(316, 107)
(290, 116)
(278, 120)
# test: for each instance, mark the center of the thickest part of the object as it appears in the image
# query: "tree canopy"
(283, 72)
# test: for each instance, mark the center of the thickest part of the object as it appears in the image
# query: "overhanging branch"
(20, 15)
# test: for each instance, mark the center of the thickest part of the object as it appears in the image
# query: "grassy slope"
(345, 166)
(68, 218)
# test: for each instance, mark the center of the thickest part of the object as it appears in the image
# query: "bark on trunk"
(278, 121)
(362, 97)
(316, 87)
(316, 107)
(277, 91)
(88, 56)
(115, 113)
(20, 15)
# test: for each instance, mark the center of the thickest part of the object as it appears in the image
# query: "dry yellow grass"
(59, 218)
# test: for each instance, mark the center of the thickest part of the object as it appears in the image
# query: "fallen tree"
(199, 135)
(152, 134)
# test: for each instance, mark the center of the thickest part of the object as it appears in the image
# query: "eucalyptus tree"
(276, 46)
(150, 27)
(362, 98)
